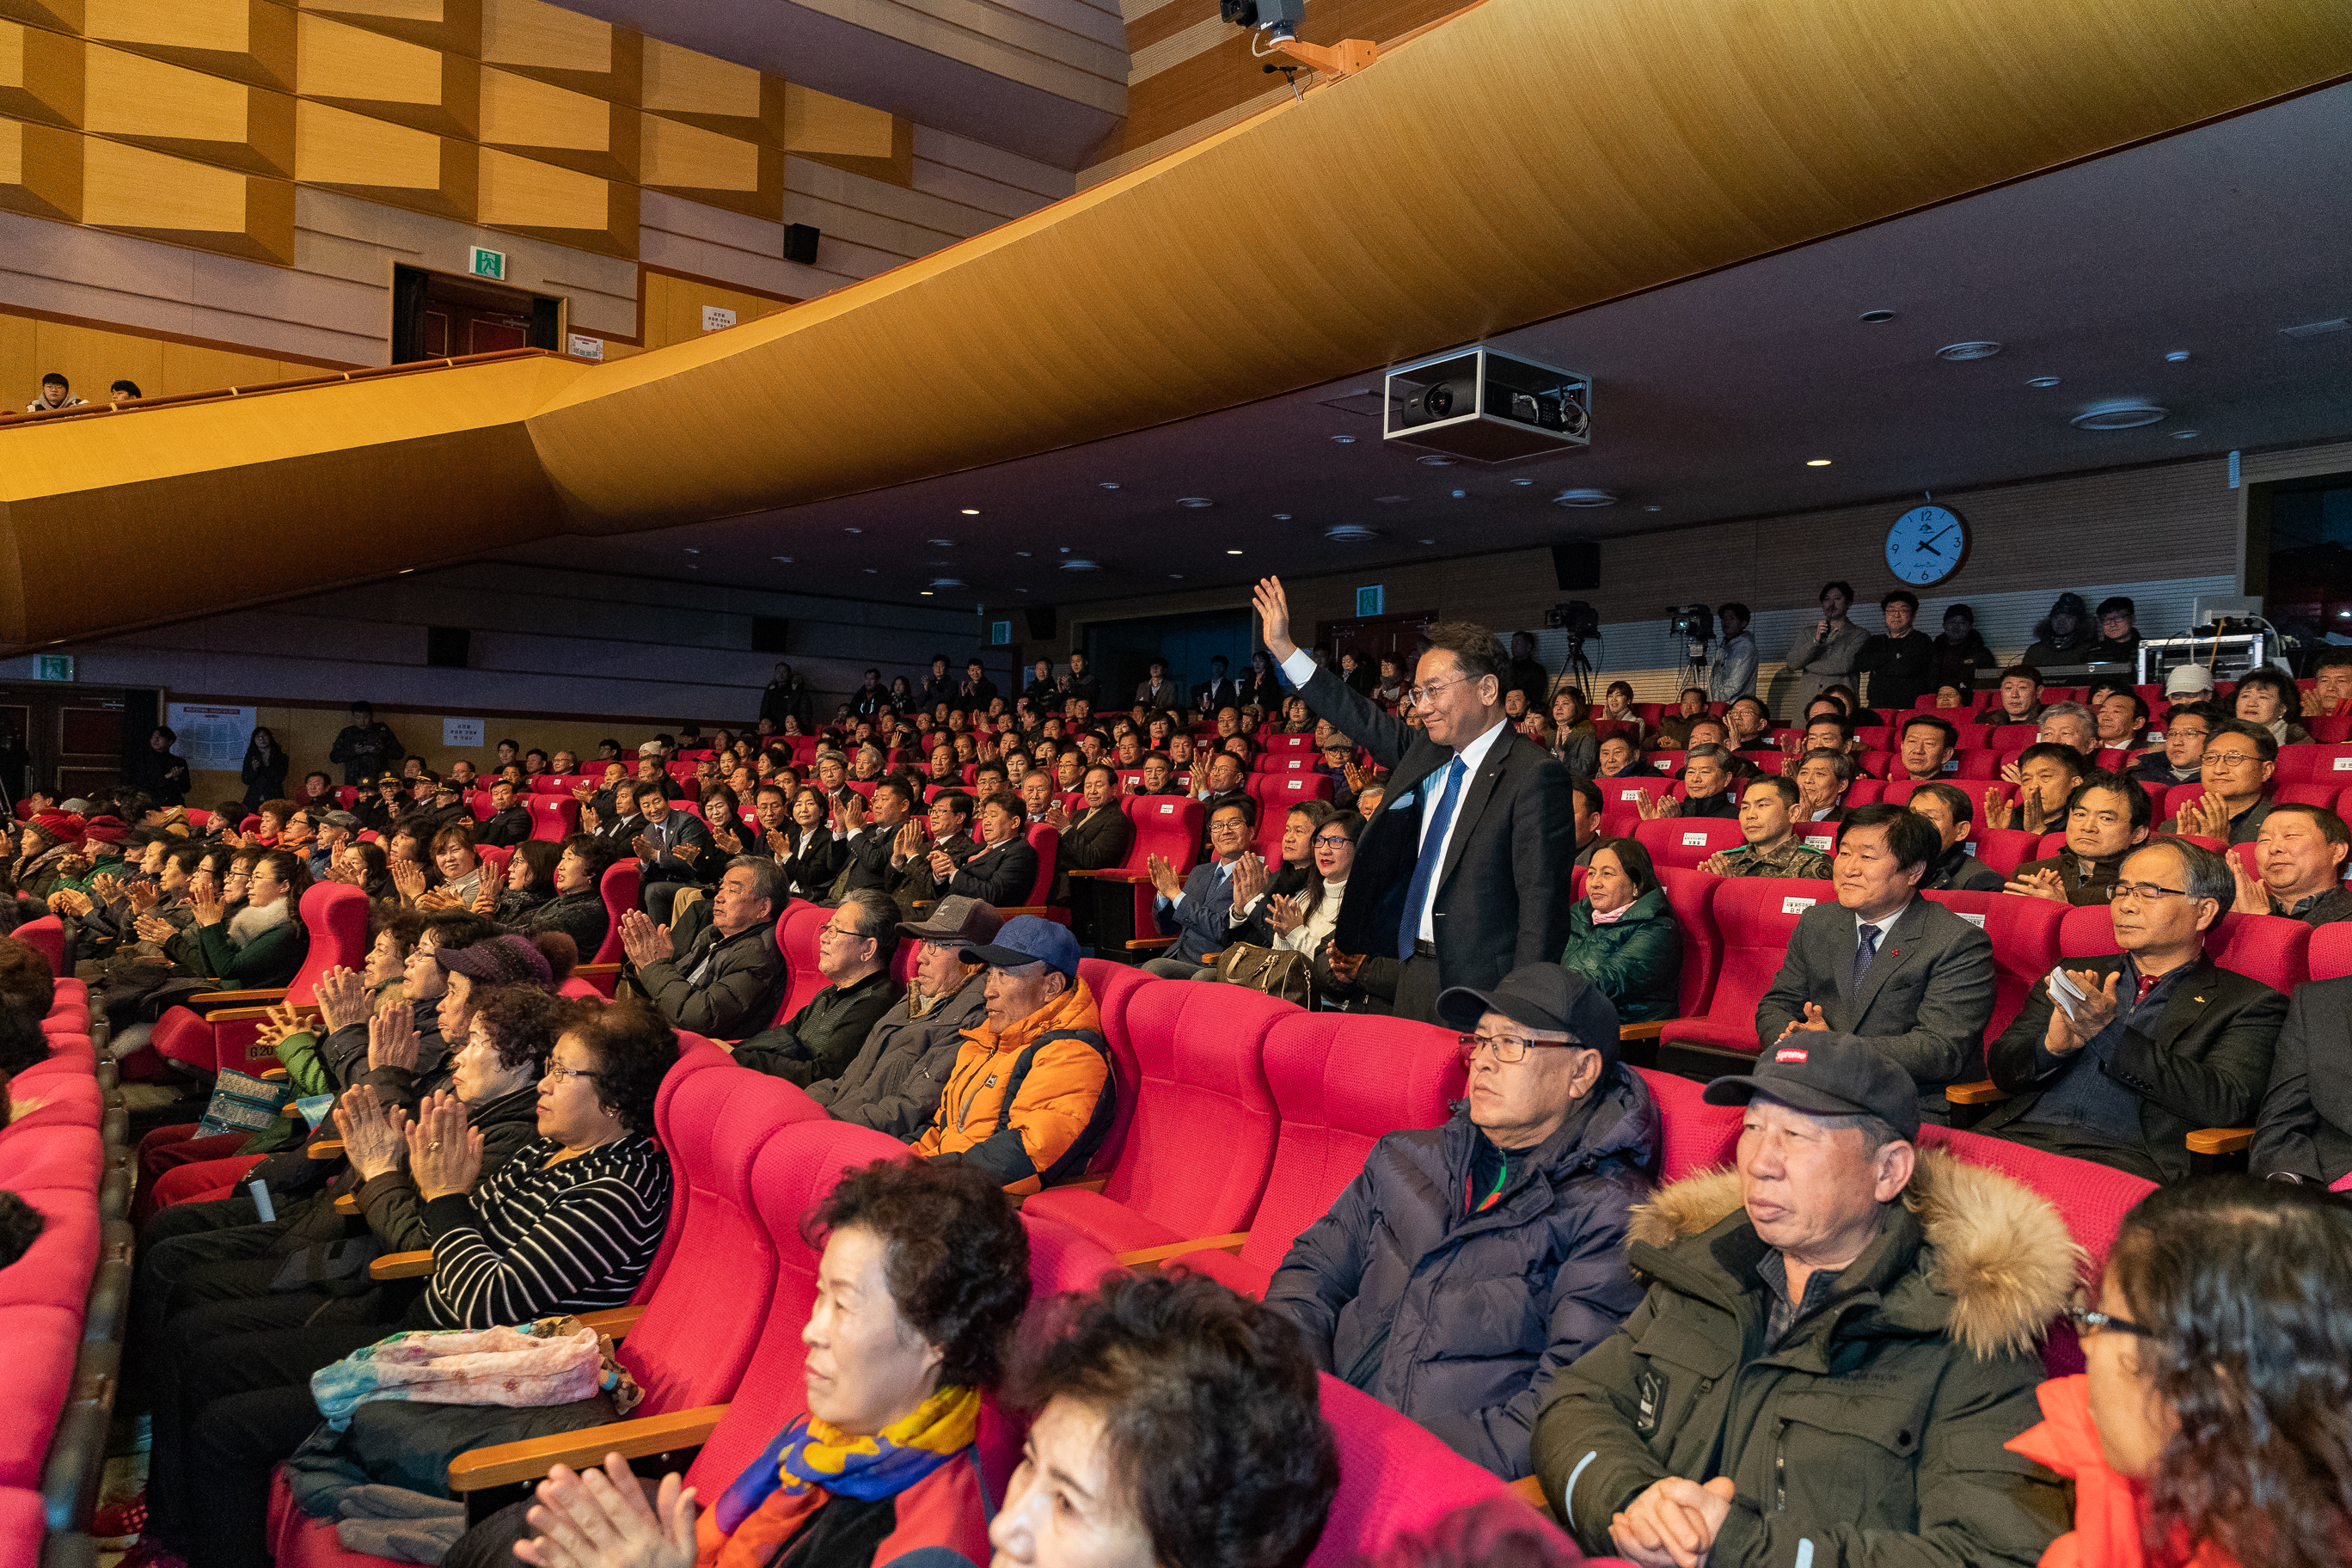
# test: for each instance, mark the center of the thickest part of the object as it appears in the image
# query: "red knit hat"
(60, 828)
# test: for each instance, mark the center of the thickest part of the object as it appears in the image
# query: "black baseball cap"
(1828, 1073)
(1542, 996)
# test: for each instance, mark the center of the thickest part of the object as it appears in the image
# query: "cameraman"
(1733, 675)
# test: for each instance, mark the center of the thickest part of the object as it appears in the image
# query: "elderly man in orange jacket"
(1031, 1094)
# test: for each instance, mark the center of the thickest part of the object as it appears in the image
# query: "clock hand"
(1945, 533)
(1923, 544)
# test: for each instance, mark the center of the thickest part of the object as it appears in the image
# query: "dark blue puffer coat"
(1455, 1318)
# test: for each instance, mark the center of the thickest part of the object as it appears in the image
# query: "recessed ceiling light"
(1584, 498)
(1523, 481)
(1345, 440)
(691, 550)
(1345, 531)
(943, 543)
(404, 572)
(971, 511)
(1459, 494)
(870, 571)
(786, 559)
(1282, 517)
(2175, 356)
(853, 530)
(1110, 484)
(1066, 550)
(1435, 462)
(1176, 576)
(1022, 554)
(1874, 317)
(1817, 462)
(1387, 500)
(2044, 380)
(1968, 351)
(2318, 328)
(1428, 542)
(1194, 503)
(927, 592)
(947, 581)
(1232, 552)
(2187, 435)
(1078, 563)
(1020, 590)
(2122, 414)
(1653, 509)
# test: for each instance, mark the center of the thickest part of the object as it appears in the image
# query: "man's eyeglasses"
(1417, 695)
(2230, 759)
(2146, 892)
(1506, 1047)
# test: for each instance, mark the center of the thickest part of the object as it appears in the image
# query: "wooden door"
(88, 754)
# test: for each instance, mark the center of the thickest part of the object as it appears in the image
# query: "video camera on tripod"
(1580, 620)
(1694, 625)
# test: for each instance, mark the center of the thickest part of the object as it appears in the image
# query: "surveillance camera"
(1277, 19)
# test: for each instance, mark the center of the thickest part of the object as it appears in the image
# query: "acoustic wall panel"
(171, 109)
(560, 204)
(454, 26)
(41, 171)
(562, 46)
(557, 125)
(135, 191)
(688, 160)
(389, 77)
(41, 75)
(251, 41)
(381, 162)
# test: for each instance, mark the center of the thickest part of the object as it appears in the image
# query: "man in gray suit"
(1902, 972)
(1464, 871)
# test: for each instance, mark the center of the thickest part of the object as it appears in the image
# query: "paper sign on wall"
(212, 736)
(716, 317)
(457, 733)
(586, 347)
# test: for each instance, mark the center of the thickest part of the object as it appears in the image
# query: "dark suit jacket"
(1170, 695)
(1503, 893)
(681, 829)
(1096, 840)
(1075, 686)
(2207, 1066)
(1203, 922)
(1958, 871)
(2305, 1125)
(1002, 874)
(1924, 1003)
(507, 828)
(1211, 695)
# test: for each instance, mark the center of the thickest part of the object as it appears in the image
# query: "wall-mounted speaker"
(1576, 565)
(800, 243)
(1041, 622)
(769, 633)
(447, 648)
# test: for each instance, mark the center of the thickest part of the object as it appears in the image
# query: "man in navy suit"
(1462, 872)
(672, 852)
(1198, 911)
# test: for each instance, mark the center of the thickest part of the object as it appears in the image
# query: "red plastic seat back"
(796, 931)
(47, 936)
(1340, 1084)
(1685, 843)
(336, 916)
(2091, 1198)
(2330, 956)
(554, 817)
(1821, 835)
(2315, 764)
(2024, 933)
(2323, 795)
(1285, 743)
(620, 890)
(1047, 842)
(1627, 791)
(1692, 1134)
(1396, 1479)
(2269, 948)
(1691, 895)
(1758, 918)
(1199, 1050)
(794, 1171)
(704, 1317)
(1168, 825)
(2006, 848)
(1114, 986)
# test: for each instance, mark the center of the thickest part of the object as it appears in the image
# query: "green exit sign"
(1372, 601)
(56, 667)
(1000, 633)
(489, 263)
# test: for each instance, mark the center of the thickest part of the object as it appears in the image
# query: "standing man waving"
(1462, 872)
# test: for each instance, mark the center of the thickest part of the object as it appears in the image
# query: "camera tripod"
(1575, 669)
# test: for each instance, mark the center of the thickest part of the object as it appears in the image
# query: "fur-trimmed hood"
(1994, 1250)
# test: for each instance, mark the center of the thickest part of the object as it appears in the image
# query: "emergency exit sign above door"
(489, 264)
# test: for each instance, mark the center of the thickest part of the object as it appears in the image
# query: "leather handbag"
(1276, 972)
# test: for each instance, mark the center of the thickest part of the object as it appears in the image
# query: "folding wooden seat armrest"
(206, 1001)
(271, 1075)
(1151, 943)
(613, 1322)
(400, 1265)
(2220, 1140)
(1150, 1257)
(1041, 911)
(509, 1464)
(1649, 1031)
(326, 1149)
(347, 1203)
(1529, 1490)
(585, 970)
(1083, 1185)
(1982, 1092)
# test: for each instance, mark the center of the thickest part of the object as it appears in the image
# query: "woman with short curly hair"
(924, 1277)
(2214, 1424)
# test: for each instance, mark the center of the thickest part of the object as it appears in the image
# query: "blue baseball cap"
(1025, 940)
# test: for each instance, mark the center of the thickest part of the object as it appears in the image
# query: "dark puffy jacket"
(1637, 961)
(894, 1082)
(1456, 1318)
(1874, 1436)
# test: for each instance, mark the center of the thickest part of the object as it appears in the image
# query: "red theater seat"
(555, 817)
(1757, 917)
(218, 1029)
(1693, 1135)
(2315, 764)
(2024, 933)
(1673, 841)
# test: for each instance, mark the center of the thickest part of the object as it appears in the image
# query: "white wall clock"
(1926, 545)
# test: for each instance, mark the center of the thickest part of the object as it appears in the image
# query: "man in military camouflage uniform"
(1767, 820)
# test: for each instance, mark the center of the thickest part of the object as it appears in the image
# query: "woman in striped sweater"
(570, 1223)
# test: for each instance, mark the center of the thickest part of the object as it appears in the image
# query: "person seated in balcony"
(1946, 807)
(57, 392)
(1030, 1097)
(2240, 761)
(853, 953)
(1768, 821)
(2181, 758)
(1623, 936)
(1822, 776)
(727, 982)
(1674, 731)
(2021, 698)
(1911, 978)
(922, 1283)
(2122, 715)
(2046, 776)
(2070, 724)
(2160, 1039)
(2210, 1416)
(1707, 791)
(1617, 708)
(1901, 659)
(1923, 747)
(2108, 817)
(509, 822)
(1524, 1194)
(1839, 1336)
(2300, 851)
(568, 1224)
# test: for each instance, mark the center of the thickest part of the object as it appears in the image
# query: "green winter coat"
(1873, 1438)
(270, 961)
(1637, 961)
